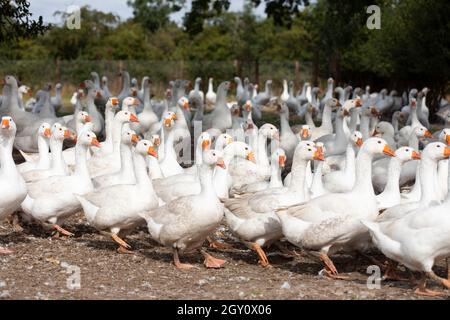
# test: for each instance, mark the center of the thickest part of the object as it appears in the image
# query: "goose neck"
(262, 151)
(140, 170)
(205, 173)
(275, 176)
(56, 150)
(126, 160)
(363, 182)
(7, 165)
(81, 168)
(298, 175)
(428, 178)
(44, 155)
(394, 170)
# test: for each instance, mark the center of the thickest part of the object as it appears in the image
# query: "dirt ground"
(41, 267)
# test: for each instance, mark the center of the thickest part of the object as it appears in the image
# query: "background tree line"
(298, 40)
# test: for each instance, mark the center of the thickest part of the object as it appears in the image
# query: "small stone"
(202, 282)
(241, 294)
(286, 285)
(5, 294)
(2, 284)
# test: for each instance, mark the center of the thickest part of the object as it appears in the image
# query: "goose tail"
(387, 245)
(90, 210)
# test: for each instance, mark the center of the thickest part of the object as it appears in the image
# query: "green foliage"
(154, 14)
(16, 21)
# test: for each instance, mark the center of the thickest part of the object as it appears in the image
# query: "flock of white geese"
(352, 184)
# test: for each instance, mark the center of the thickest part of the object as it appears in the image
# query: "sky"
(46, 8)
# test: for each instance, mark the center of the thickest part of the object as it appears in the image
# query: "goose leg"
(178, 264)
(210, 261)
(218, 245)
(60, 230)
(285, 251)
(123, 246)
(443, 281)
(421, 289)
(5, 251)
(263, 261)
(16, 223)
(330, 269)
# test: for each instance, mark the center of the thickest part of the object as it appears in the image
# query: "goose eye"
(246, 148)
(379, 142)
(309, 149)
(438, 146)
(214, 154)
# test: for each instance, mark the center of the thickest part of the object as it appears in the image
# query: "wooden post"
(297, 71)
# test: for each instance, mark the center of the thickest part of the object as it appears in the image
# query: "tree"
(16, 21)
(154, 14)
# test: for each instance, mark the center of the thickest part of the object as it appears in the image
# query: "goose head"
(350, 104)
(156, 140)
(104, 80)
(88, 138)
(83, 117)
(113, 103)
(214, 158)
(357, 138)
(413, 103)
(125, 116)
(422, 132)
(406, 154)
(130, 102)
(445, 136)
(23, 89)
(307, 150)
(45, 130)
(305, 133)
(183, 103)
(235, 110)
(9, 81)
(240, 149)
(146, 147)
(248, 105)
(279, 156)
(223, 140)
(169, 119)
(330, 81)
(382, 128)
(205, 141)
(270, 131)
(129, 137)
(436, 151)
(61, 133)
(333, 103)
(8, 127)
(377, 146)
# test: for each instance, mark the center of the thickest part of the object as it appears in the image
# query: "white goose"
(50, 201)
(169, 164)
(115, 209)
(110, 111)
(109, 163)
(125, 175)
(391, 195)
(343, 180)
(253, 220)
(12, 186)
(58, 166)
(330, 222)
(43, 161)
(210, 95)
(418, 239)
(184, 223)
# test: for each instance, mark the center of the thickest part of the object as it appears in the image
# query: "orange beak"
(82, 85)
(374, 111)
(47, 132)
(338, 104)
(358, 103)
(157, 142)
(134, 138)
(416, 155)
(151, 151)
(174, 116)
(346, 112)
(114, 101)
(248, 107)
(282, 161)
(229, 140)
(251, 157)
(305, 133)
(67, 134)
(95, 143)
(447, 152)
(428, 134)
(388, 151)
(136, 102)
(375, 132)
(318, 155)
(5, 124)
(359, 142)
(2, 82)
(205, 145)
(447, 139)
(87, 118)
(98, 95)
(168, 123)
(186, 105)
(133, 118)
(134, 93)
(30, 93)
(220, 163)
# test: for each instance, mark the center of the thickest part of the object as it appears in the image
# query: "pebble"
(286, 285)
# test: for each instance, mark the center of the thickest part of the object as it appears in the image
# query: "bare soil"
(38, 270)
